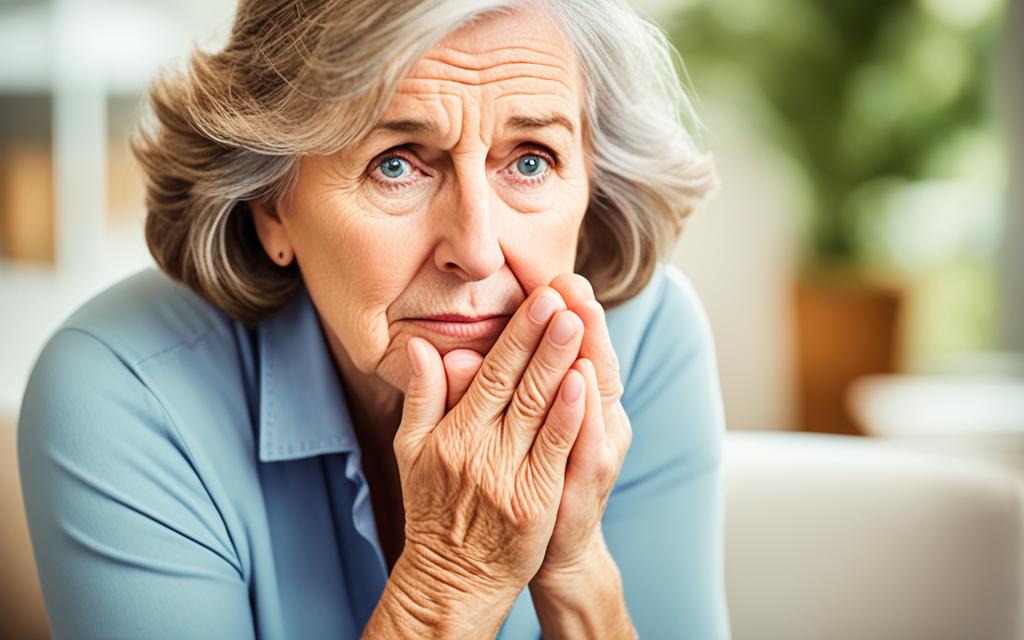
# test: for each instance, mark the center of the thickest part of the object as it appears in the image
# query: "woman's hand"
(482, 483)
(600, 446)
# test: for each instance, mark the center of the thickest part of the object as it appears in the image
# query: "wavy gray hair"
(300, 77)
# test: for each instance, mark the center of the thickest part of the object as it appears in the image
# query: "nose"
(469, 244)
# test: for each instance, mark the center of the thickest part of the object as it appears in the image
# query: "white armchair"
(835, 537)
(826, 537)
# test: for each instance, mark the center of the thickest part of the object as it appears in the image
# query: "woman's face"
(468, 195)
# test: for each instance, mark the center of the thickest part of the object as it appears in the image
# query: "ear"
(271, 231)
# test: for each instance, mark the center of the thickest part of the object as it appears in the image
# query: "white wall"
(740, 253)
(81, 53)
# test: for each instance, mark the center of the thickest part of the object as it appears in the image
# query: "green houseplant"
(884, 107)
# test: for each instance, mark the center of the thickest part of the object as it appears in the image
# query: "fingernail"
(543, 307)
(563, 330)
(414, 358)
(573, 387)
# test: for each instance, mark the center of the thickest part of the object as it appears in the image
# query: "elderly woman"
(373, 389)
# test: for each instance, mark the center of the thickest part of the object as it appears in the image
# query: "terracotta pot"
(846, 328)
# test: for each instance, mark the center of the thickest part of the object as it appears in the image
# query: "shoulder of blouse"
(146, 314)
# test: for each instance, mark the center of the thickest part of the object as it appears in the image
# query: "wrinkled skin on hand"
(482, 483)
(601, 445)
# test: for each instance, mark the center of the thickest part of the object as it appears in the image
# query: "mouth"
(464, 327)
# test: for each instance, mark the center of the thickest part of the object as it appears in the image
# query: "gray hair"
(300, 77)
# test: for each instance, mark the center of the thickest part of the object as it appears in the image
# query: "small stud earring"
(280, 255)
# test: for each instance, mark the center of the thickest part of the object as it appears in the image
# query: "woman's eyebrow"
(408, 126)
(540, 122)
(514, 122)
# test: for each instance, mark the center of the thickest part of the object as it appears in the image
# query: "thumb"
(461, 366)
(425, 394)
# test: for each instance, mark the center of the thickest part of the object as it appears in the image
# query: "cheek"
(362, 265)
(539, 246)
(383, 260)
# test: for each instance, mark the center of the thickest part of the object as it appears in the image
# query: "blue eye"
(392, 166)
(531, 165)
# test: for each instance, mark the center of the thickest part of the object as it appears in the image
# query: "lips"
(464, 327)
(456, 317)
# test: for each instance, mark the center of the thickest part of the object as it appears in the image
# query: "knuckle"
(612, 389)
(613, 363)
(558, 440)
(525, 515)
(551, 363)
(532, 518)
(493, 380)
(492, 471)
(524, 506)
(415, 403)
(529, 402)
(516, 344)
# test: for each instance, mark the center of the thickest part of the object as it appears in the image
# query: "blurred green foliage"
(869, 97)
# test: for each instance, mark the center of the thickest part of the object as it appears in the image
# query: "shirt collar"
(303, 412)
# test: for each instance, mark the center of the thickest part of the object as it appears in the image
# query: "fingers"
(597, 343)
(589, 448)
(501, 370)
(598, 348)
(460, 365)
(549, 454)
(536, 391)
(574, 288)
(425, 394)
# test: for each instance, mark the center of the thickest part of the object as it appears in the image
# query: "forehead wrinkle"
(411, 86)
(541, 46)
(520, 121)
(539, 66)
(468, 65)
(446, 73)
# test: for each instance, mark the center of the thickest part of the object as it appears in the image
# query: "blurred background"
(862, 264)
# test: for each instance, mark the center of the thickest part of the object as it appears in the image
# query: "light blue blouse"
(187, 477)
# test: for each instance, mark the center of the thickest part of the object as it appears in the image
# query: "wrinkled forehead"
(517, 70)
(525, 40)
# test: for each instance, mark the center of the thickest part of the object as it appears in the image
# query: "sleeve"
(664, 519)
(127, 541)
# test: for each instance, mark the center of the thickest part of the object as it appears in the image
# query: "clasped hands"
(507, 460)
